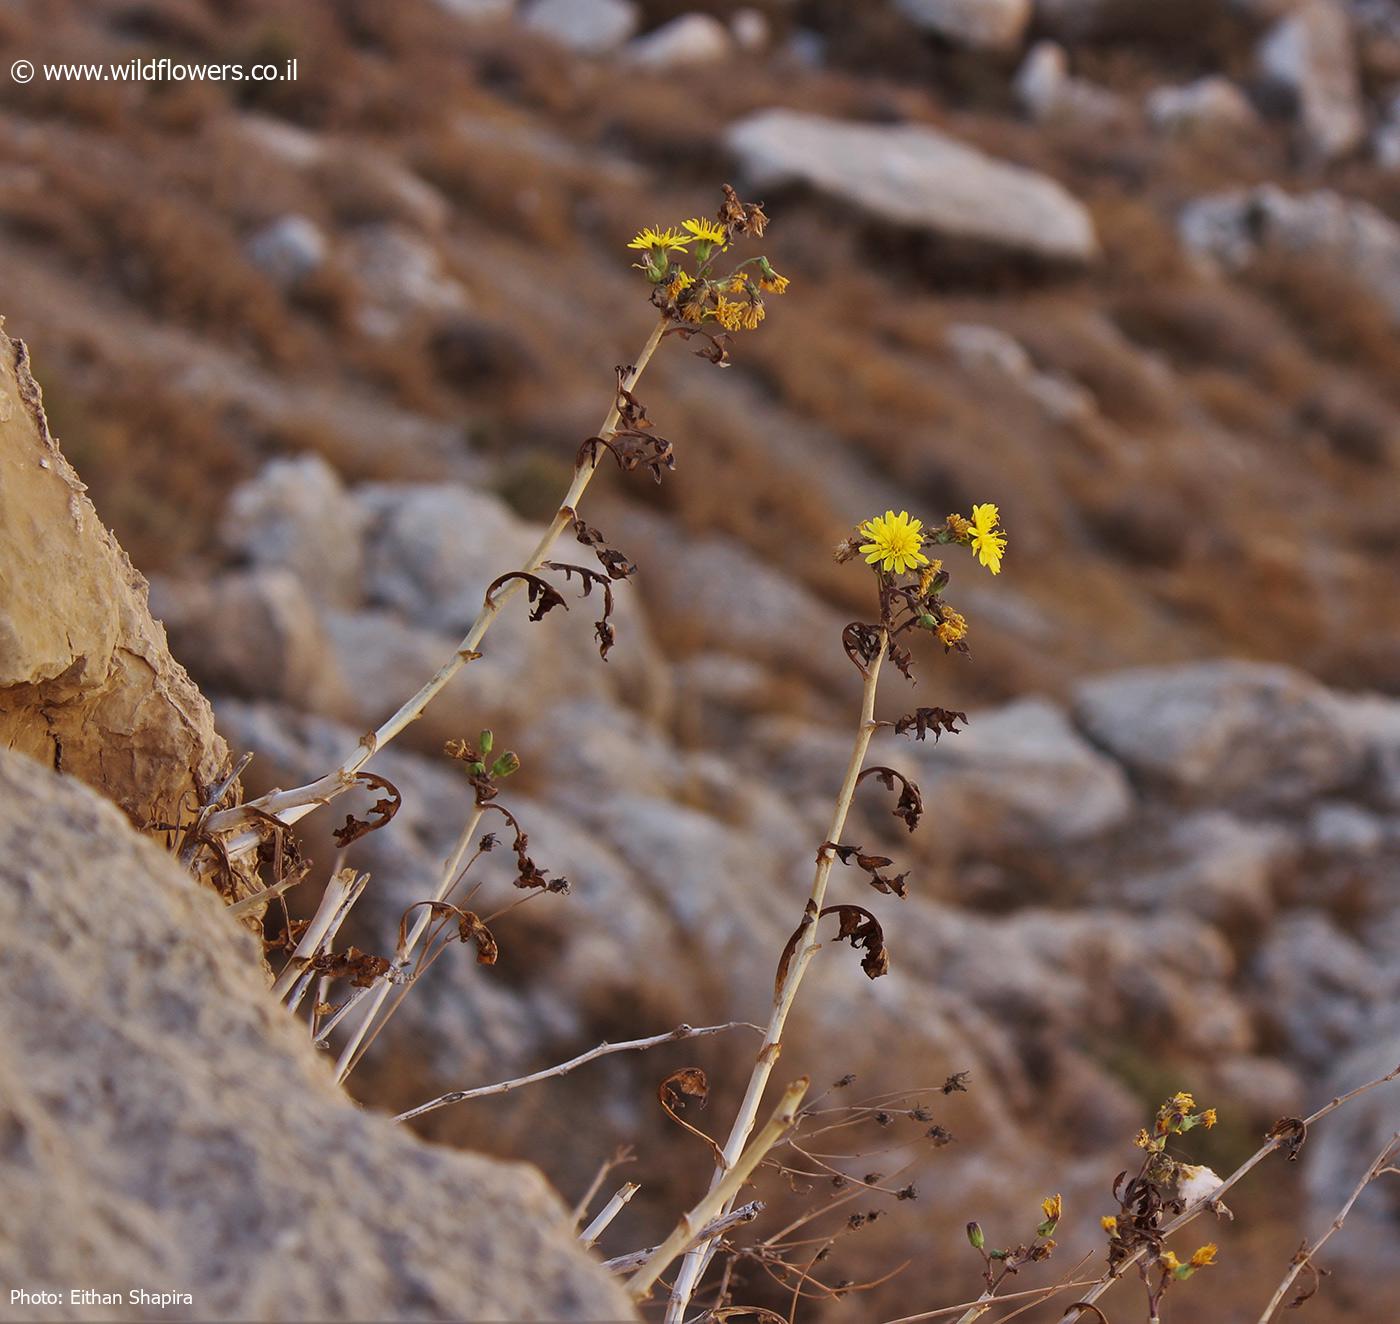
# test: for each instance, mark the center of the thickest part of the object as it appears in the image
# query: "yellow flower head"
(730, 314)
(706, 232)
(988, 542)
(1052, 1208)
(1208, 1118)
(1204, 1256)
(754, 314)
(1169, 1261)
(663, 241)
(1144, 1141)
(773, 284)
(679, 282)
(738, 284)
(894, 542)
(1109, 1223)
(1180, 1102)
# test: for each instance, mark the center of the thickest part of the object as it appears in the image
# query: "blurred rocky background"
(323, 352)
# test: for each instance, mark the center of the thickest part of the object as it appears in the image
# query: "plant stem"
(717, 1201)
(563, 1068)
(609, 1211)
(697, 1258)
(294, 804)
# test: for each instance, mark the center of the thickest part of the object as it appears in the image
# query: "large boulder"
(918, 179)
(169, 1128)
(1222, 732)
(87, 683)
(1239, 226)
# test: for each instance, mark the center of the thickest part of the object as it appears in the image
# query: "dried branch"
(609, 1211)
(745, 1213)
(563, 1068)
(718, 1198)
(1382, 1163)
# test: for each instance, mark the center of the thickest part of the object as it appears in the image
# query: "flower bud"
(508, 763)
(975, 1237)
(486, 739)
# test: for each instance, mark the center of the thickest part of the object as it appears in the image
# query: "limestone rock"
(296, 515)
(288, 249)
(87, 682)
(1351, 237)
(1048, 93)
(918, 179)
(1221, 732)
(996, 25)
(1309, 56)
(1209, 105)
(401, 275)
(168, 1127)
(591, 27)
(689, 39)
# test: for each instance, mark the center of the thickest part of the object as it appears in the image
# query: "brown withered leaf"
(602, 628)
(378, 814)
(910, 806)
(715, 348)
(631, 449)
(902, 658)
(680, 1088)
(862, 644)
(469, 925)
(613, 561)
(361, 968)
(529, 874)
(544, 597)
(862, 930)
(923, 720)
(1291, 1132)
(871, 864)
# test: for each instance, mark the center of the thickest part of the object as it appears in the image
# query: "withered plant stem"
(608, 1212)
(342, 891)
(697, 1258)
(1383, 1163)
(563, 1068)
(294, 804)
(358, 1043)
(720, 1197)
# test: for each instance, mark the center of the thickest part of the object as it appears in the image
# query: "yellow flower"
(707, 232)
(927, 573)
(738, 284)
(774, 284)
(753, 315)
(663, 240)
(988, 542)
(729, 314)
(1204, 1256)
(1052, 1208)
(1144, 1141)
(1208, 1118)
(952, 628)
(680, 281)
(1109, 1224)
(1180, 1102)
(1169, 1261)
(894, 542)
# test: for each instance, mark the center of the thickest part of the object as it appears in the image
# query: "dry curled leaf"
(715, 348)
(910, 806)
(862, 644)
(469, 925)
(360, 968)
(870, 864)
(1291, 1133)
(856, 925)
(378, 814)
(543, 597)
(923, 720)
(602, 628)
(680, 1088)
(613, 561)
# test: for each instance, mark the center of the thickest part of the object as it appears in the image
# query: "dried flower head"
(893, 542)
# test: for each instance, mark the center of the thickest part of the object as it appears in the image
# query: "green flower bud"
(476, 769)
(486, 739)
(975, 1237)
(508, 763)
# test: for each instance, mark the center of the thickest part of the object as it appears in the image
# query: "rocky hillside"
(324, 350)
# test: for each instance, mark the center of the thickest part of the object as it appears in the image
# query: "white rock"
(751, 30)
(1206, 106)
(288, 249)
(1351, 237)
(1374, 720)
(1047, 92)
(472, 10)
(401, 274)
(687, 40)
(1219, 732)
(917, 178)
(296, 515)
(1309, 56)
(984, 348)
(591, 27)
(996, 25)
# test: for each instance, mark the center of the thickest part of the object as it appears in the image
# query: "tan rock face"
(87, 684)
(176, 1132)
